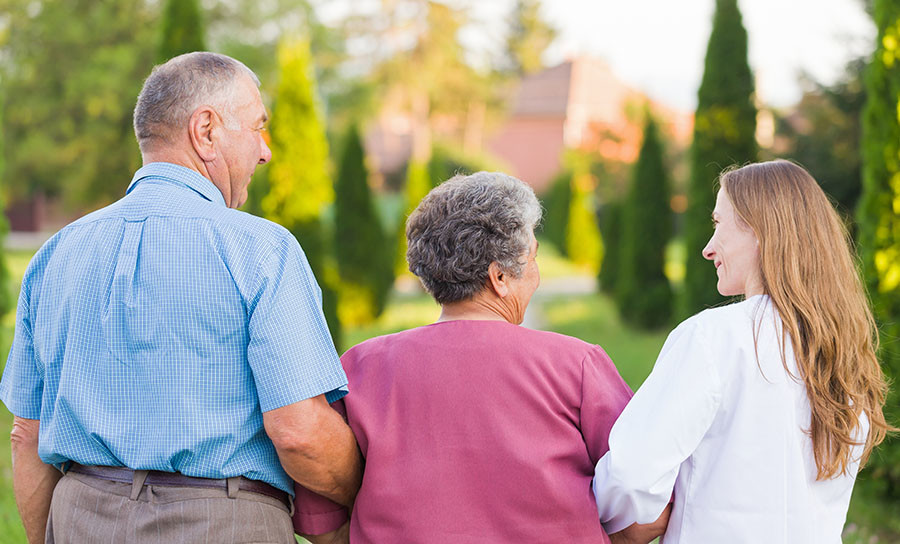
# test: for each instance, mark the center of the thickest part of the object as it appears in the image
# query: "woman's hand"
(642, 534)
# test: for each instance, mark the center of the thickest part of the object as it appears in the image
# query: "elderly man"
(169, 348)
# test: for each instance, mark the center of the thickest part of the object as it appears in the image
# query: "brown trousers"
(88, 510)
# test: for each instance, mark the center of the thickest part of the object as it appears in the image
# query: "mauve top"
(475, 431)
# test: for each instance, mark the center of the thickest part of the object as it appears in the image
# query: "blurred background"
(620, 115)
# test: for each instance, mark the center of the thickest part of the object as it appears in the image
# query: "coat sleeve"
(659, 429)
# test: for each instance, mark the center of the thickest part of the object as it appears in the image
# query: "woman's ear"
(200, 131)
(497, 280)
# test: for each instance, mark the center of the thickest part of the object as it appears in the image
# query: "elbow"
(293, 445)
(24, 435)
(298, 437)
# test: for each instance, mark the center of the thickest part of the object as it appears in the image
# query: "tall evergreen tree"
(611, 231)
(182, 29)
(642, 290)
(584, 245)
(418, 183)
(557, 201)
(299, 185)
(878, 216)
(361, 247)
(724, 134)
(530, 35)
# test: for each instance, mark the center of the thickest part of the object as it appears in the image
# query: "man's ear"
(497, 280)
(201, 131)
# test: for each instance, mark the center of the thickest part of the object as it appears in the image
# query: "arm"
(659, 429)
(33, 480)
(316, 448)
(643, 534)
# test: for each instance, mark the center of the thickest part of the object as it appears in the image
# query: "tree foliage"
(362, 249)
(611, 231)
(182, 29)
(418, 183)
(642, 290)
(557, 201)
(823, 134)
(299, 185)
(878, 215)
(530, 35)
(584, 246)
(71, 71)
(724, 134)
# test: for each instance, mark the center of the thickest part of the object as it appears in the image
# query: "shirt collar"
(173, 173)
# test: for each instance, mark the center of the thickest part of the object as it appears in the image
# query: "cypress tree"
(642, 290)
(299, 185)
(724, 134)
(182, 29)
(611, 231)
(557, 202)
(362, 250)
(878, 216)
(418, 183)
(583, 243)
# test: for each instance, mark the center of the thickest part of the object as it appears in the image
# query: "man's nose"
(266, 154)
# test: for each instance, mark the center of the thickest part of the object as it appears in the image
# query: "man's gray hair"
(464, 225)
(175, 89)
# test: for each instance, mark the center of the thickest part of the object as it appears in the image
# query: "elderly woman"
(473, 428)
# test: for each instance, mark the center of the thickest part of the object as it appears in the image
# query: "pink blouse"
(474, 431)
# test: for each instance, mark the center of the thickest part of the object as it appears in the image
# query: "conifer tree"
(418, 183)
(642, 290)
(611, 231)
(879, 220)
(584, 245)
(300, 187)
(724, 134)
(362, 249)
(182, 29)
(556, 202)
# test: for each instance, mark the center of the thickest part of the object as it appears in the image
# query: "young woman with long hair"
(758, 414)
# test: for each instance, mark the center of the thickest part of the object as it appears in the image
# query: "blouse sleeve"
(660, 428)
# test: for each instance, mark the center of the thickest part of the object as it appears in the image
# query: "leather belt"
(175, 479)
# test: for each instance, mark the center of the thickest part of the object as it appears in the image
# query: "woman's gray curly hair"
(464, 225)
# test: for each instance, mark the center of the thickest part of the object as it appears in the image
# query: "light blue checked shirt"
(154, 333)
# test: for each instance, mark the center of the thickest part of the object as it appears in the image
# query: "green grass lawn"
(592, 318)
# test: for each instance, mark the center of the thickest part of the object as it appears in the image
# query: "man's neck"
(178, 157)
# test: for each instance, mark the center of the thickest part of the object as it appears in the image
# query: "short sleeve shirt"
(155, 332)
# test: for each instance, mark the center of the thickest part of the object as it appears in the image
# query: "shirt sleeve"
(313, 513)
(22, 386)
(604, 395)
(658, 430)
(290, 350)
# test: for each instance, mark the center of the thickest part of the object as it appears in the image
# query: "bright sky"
(658, 46)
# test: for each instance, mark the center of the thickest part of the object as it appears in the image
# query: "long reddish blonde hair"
(809, 271)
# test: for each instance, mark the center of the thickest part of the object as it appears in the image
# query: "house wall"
(533, 148)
